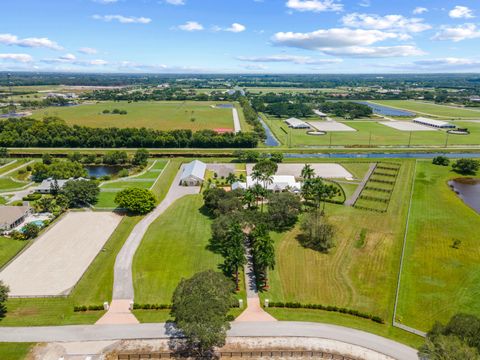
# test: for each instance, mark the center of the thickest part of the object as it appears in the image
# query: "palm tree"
(231, 178)
(267, 179)
(234, 251)
(263, 252)
(249, 198)
(257, 191)
(307, 172)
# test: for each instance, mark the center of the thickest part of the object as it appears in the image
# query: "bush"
(123, 173)
(32, 197)
(83, 308)
(135, 200)
(466, 166)
(441, 160)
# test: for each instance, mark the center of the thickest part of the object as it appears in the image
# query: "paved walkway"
(244, 329)
(123, 282)
(353, 199)
(17, 168)
(254, 310)
(236, 120)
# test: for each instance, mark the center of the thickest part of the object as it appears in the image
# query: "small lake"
(102, 170)
(385, 110)
(468, 189)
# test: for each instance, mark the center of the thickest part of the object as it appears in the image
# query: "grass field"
(9, 248)
(371, 133)
(162, 115)
(94, 288)
(356, 275)
(439, 280)
(173, 248)
(431, 109)
(14, 351)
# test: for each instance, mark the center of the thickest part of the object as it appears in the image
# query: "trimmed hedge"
(296, 305)
(83, 308)
(137, 306)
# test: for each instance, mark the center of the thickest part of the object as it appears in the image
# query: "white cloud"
(97, 62)
(419, 10)
(68, 57)
(191, 26)
(315, 5)
(458, 33)
(387, 22)
(335, 38)
(459, 12)
(23, 58)
(236, 28)
(437, 65)
(123, 19)
(365, 3)
(257, 67)
(105, 1)
(296, 59)
(375, 51)
(175, 2)
(88, 51)
(33, 42)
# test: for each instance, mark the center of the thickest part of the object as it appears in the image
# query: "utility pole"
(446, 139)
(410, 139)
(330, 140)
(370, 139)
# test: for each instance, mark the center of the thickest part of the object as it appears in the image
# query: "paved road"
(123, 283)
(353, 199)
(236, 120)
(247, 329)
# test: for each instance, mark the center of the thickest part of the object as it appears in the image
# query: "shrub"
(123, 173)
(441, 160)
(135, 200)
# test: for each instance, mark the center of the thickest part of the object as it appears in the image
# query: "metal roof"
(196, 169)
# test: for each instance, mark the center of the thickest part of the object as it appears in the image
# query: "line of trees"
(54, 132)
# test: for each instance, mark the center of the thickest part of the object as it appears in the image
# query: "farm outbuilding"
(295, 123)
(193, 173)
(433, 123)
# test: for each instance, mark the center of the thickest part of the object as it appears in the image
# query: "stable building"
(279, 183)
(433, 123)
(193, 173)
(295, 123)
(12, 216)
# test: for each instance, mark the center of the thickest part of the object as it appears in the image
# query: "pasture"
(431, 109)
(161, 115)
(439, 280)
(359, 273)
(372, 133)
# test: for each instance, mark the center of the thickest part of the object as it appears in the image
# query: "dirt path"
(353, 199)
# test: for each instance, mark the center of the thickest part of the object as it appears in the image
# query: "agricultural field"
(359, 273)
(145, 180)
(439, 279)
(431, 109)
(162, 115)
(373, 133)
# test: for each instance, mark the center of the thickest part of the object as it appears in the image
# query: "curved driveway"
(77, 333)
(123, 283)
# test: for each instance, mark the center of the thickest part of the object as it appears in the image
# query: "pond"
(385, 110)
(468, 189)
(102, 170)
(271, 140)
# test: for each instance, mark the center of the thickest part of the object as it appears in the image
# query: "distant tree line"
(54, 132)
(346, 109)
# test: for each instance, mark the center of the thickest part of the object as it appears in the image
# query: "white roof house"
(279, 183)
(193, 173)
(11, 216)
(319, 113)
(434, 123)
(297, 123)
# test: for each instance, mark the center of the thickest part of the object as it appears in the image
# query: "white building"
(319, 113)
(12, 216)
(433, 123)
(295, 123)
(193, 173)
(279, 183)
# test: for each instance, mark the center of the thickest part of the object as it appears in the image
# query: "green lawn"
(14, 351)
(438, 280)
(12, 165)
(371, 133)
(94, 288)
(431, 109)
(160, 115)
(7, 184)
(173, 248)
(9, 248)
(358, 277)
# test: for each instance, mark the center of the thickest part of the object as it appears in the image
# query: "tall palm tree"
(234, 251)
(307, 172)
(249, 198)
(267, 179)
(257, 191)
(263, 252)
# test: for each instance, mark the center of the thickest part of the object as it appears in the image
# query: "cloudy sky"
(241, 36)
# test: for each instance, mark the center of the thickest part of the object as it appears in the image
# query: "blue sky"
(241, 36)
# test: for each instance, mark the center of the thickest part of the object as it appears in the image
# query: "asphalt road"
(246, 329)
(236, 121)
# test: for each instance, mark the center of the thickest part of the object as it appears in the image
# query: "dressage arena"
(55, 262)
(330, 126)
(407, 126)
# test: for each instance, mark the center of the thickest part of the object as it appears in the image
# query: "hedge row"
(82, 308)
(385, 174)
(383, 181)
(296, 305)
(373, 188)
(162, 306)
(370, 209)
(373, 198)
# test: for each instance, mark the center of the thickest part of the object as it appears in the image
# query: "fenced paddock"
(54, 263)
